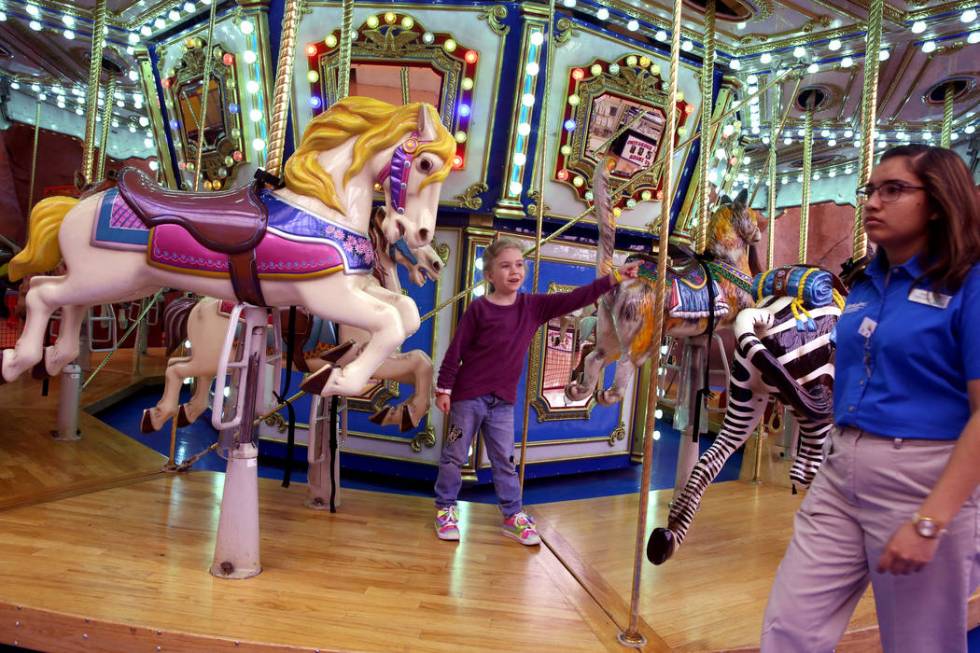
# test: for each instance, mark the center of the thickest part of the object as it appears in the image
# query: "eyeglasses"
(888, 191)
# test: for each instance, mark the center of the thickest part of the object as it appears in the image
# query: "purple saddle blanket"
(296, 244)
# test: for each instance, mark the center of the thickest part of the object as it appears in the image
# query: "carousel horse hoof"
(316, 382)
(182, 418)
(379, 417)
(146, 423)
(336, 353)
(39, 371)
(661, 546)
(407, 422)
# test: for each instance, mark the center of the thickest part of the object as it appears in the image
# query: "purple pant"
(868, 487)
(496, 418)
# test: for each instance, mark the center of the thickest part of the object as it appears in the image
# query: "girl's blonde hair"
(494, 250)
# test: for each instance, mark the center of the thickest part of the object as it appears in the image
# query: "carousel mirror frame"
(635, 78)
(399, 39)
(539, 354)
(227, 153)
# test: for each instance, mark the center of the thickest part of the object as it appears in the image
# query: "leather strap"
(780, 278)
(245, 278)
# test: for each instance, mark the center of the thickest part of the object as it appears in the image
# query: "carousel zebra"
(790, 359)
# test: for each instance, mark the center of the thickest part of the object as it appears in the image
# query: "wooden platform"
(127, 567)
(103, 552)
(712, 594)
(34, 467)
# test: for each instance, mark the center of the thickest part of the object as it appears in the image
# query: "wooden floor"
(712, 594)
(128, 568)
(35, 467)
(100, 551)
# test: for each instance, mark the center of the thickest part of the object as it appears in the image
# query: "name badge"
(867, 327)
(922, 296)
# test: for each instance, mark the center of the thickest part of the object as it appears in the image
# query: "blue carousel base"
(547, 482)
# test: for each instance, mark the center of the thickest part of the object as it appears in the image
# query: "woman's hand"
(443, 402)
(906, 552)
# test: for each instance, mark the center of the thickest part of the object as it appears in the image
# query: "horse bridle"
(397, 171)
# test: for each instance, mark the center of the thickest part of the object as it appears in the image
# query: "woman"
(896, 503)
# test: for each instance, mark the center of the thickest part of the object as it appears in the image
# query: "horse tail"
(175, 321)
(604, 214)
(42, 253)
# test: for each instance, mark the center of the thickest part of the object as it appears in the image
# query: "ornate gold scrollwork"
(426, 437)
(564, 31)
(815, 22)
(494, 15)
(469, 198)
(552, 362)
(532, 208)
(442, 249)
(618, 434)
(277, 421)
(223, 149)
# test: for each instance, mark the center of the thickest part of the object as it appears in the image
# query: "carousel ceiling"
(925, 46)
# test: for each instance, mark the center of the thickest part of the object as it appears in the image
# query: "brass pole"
(92, 96)
(202, 122)
(632, 635)
(805, 195)
(782, 123)
(406, 91)
(110, 93)
(869, 104)
(284, 82)
(343, 74)
(540, 165)
(947, 133)
(707, 108)
(37, 136)
(775, 127)
(171, 458)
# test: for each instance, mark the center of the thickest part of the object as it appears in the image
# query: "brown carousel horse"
(705, 292)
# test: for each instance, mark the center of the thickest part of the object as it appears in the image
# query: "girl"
(478, 379)
(896, 503)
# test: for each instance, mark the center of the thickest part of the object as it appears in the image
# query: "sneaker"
(447, 523)
(520, 526)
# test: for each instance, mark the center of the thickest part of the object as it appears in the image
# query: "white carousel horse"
(624, 330)
(204, 324)
(774, 357)
(306, 243)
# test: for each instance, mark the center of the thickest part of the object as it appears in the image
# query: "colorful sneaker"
(520, 526)
(447, 523)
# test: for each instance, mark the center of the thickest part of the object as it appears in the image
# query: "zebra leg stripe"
(741, 417)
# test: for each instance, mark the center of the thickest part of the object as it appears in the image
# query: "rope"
(115, 348)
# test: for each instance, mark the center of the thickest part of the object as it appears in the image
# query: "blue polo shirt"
(903, 361)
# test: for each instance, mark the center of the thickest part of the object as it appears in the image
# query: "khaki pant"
(865, 490)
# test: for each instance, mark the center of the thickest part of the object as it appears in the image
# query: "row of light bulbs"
(968, 16)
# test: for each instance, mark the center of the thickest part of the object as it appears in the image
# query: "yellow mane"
(377, 125)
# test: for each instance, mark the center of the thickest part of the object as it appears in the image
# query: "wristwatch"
(927, 527)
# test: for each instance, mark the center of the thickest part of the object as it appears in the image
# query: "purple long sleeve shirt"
(487, 352)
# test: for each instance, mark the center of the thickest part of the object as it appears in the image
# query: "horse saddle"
(231, 222)
(681, 260)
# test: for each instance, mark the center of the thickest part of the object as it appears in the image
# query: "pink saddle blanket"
(276, 257)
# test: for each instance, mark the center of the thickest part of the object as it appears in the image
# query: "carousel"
(238, 235)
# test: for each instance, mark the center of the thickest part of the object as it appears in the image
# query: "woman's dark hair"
(953, 245)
